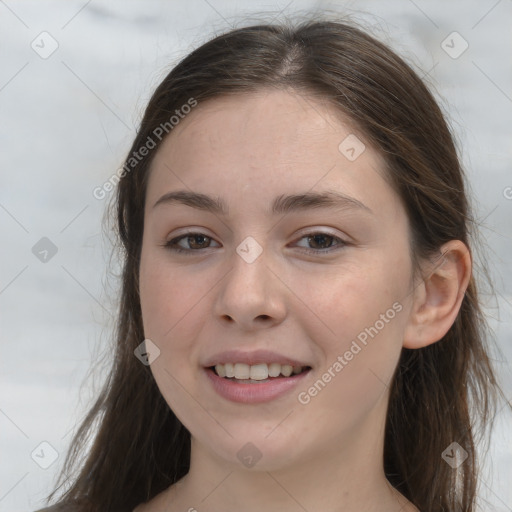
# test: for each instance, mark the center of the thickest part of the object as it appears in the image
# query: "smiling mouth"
(257, 373)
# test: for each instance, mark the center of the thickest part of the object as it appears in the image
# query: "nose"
(251, 295)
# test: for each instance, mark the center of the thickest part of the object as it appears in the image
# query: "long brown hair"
(140, 447)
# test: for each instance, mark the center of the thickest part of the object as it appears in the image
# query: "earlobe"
(437, 299)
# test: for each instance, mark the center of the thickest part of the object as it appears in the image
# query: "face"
(322, 282)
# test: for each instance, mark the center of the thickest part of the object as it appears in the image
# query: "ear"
(437, 299)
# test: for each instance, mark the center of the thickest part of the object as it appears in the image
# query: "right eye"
(196, 241)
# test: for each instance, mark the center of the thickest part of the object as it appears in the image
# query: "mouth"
(256, 373)
(243, 383)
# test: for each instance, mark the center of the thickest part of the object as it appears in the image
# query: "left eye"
(198, 241)
(323, 239)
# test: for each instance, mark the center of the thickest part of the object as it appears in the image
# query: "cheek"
(164, 302)
(343, 301)
(360, 316)
(176, 305)
(171, 308)
(168, 296)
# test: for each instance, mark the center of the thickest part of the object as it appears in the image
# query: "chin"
(249, 448)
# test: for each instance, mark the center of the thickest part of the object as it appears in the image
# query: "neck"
(347, 476)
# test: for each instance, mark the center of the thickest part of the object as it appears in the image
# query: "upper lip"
(251, 358)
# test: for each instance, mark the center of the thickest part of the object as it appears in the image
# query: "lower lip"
(253, 393)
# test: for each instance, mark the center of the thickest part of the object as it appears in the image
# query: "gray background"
(68, 120)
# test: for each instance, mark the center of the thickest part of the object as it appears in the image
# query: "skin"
(326, 454)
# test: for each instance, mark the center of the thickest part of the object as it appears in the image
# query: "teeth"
(286, 370)
(260, 371)
(230, 371)
(242, 371)
(221, 370)
(274, 369)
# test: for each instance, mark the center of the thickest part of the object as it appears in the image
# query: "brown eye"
(197, 241)
(193, 242)
(322, 243)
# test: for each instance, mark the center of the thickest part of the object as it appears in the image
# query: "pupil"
(201, 239)
(316, 237)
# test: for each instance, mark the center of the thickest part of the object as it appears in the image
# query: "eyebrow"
(282, 204)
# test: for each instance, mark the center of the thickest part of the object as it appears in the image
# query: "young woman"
(299, 328)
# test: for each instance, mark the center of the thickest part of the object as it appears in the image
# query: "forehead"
(242, 124)
(266, 143)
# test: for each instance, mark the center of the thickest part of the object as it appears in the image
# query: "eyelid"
(309, 230)
(189, 231)
(171, 244)
(314, 230)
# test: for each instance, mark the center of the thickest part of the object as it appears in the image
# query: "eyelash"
(172, 244)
